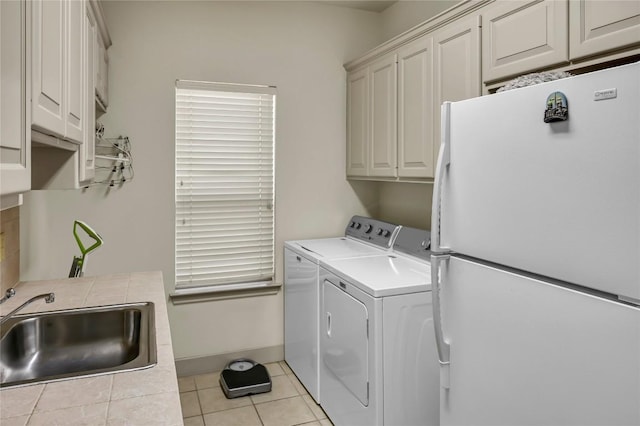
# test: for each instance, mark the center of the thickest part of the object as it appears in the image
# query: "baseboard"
(208, 364)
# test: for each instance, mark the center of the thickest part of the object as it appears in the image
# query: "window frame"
(191, 290)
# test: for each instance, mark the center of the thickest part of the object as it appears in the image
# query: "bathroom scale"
(243, 377)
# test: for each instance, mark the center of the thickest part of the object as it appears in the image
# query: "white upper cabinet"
(415, 108)
(101, 70)
(601, 26)
(58, 80)
(87, 150)
(393, 113)
(48, 66)
(457, 67)
(74, 107)
(394, 102)
(383, 100)
(101, 57)
(64, 77)
(519, 36)
(15, 92)
(357, 122)
(395, 92)
(371, 119)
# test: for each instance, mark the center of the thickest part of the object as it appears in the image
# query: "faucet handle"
(8, 295)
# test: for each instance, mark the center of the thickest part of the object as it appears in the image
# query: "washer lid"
(334, 248)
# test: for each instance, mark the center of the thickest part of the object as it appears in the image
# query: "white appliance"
(536, 240)
(363, 237)
(378, 360)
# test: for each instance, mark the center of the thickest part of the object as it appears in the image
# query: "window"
(224, 189)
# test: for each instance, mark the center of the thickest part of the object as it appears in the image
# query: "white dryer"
(378, 359)
(363, 237)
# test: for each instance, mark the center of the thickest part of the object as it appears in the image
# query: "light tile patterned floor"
(288, 403)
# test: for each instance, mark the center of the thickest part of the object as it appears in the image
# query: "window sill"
(222, 292)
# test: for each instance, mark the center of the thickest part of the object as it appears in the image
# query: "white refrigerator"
(536, 265)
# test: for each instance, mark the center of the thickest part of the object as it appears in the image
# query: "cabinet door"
(456, 67)
(415, 109)
(87, 149)
(75, 84)
(104, 71)
(101, 69)
(599, 26)
(523, 36)
(383, 124)
(15, 117)
(48, 73)
(357, 122)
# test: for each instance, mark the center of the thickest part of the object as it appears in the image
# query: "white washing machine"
(378, 358)
(363, 237)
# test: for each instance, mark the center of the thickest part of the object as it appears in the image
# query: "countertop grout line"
(106, 417)
(33, 410)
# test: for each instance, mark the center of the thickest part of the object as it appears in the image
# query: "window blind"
(224, 189)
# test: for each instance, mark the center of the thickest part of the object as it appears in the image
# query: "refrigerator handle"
(444, 158)
(441, 344)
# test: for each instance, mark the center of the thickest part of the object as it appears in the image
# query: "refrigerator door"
(556, 199)
(525, 351)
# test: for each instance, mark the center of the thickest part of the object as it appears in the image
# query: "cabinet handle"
(298, 258)
(329, 324)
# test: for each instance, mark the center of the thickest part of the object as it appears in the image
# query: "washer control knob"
(387, 233)
(352, 224)
(379, 231)
(368, 228)
(358, 225)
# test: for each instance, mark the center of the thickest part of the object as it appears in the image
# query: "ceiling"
(370, 5)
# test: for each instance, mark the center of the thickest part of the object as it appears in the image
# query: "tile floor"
(288, 403)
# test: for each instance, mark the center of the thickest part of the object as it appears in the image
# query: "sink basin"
(59, 345)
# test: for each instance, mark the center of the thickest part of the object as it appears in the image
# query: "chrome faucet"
(48, 297)
(8, 295)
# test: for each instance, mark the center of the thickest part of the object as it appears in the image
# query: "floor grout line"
(290, 377)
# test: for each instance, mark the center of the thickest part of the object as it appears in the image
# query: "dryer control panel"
(371, 230)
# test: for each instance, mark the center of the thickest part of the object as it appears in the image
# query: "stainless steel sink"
(59, 345)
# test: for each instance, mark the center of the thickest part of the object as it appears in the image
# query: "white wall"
(406, 14)
(407, 204)
(299, 47)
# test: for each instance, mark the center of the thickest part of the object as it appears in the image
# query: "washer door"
(345, 349)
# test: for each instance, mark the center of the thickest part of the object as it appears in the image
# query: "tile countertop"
(143, 397)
